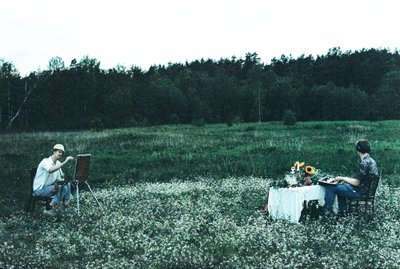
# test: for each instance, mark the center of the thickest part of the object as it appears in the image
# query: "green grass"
(185, 197)
(158, 154)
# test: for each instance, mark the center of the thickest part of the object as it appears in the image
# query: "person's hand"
(69, 158)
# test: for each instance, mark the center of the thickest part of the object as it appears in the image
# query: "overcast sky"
(151, 32)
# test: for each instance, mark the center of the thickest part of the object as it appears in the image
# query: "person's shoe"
(49, 212)
(66, 202)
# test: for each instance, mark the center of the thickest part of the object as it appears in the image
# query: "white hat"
(58, 147)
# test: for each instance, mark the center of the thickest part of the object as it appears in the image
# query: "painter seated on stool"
(49, 179)
(354, 187)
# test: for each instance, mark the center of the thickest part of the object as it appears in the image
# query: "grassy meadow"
(182, 196)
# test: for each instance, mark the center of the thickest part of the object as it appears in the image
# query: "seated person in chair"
(47, 176)
(356, 187)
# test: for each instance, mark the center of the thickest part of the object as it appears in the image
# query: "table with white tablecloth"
(287, 203)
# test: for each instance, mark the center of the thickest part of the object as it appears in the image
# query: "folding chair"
(81, 175)
(368, 198)
(33, 199)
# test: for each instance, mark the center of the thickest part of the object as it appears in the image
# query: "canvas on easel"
(81, 175)
(82, 167)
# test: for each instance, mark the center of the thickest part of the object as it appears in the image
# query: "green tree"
(279, 97)
(339, 103)
(289, 117)
(12, 92)
(56, 64)
(388, 96)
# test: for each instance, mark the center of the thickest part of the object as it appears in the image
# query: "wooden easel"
(81, 175)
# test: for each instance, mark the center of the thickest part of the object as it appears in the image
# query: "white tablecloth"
(287, 203)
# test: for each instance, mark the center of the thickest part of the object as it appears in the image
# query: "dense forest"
(337, 86)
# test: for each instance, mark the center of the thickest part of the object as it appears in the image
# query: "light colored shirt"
(43, 177)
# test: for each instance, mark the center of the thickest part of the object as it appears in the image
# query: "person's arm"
(351, 181)
(59, 165)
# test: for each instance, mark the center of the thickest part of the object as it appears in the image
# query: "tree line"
(340, 85)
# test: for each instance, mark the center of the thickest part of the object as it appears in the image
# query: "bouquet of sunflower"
(304, 173)
(299, 175)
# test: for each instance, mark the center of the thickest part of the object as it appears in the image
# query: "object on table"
(328, 181)
(308, 181)
(291, 179)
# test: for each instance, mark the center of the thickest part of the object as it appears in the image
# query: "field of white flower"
(205, 223)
